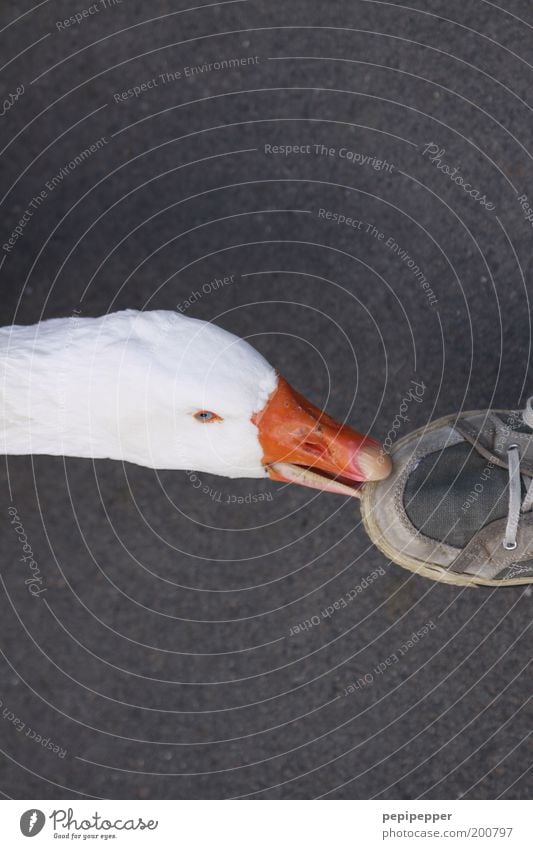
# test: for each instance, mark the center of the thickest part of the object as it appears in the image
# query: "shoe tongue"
(453, 493)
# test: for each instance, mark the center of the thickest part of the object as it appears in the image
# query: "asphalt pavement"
(289, 170)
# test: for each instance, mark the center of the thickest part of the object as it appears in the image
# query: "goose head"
(237, 416)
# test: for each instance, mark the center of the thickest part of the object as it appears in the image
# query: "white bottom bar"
(264, 824)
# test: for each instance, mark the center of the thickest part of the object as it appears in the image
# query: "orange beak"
(301, 444)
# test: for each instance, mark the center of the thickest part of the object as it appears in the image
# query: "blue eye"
(206, 416)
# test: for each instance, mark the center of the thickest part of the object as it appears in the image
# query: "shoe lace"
(516, 506)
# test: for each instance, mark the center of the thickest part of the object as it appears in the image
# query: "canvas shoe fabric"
(458, 506)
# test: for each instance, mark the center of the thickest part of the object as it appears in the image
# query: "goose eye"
(206, 416)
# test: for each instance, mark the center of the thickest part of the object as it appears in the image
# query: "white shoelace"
(516, 506)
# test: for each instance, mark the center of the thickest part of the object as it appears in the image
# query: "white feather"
(126, 387)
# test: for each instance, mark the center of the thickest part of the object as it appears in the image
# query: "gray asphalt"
(164, 661)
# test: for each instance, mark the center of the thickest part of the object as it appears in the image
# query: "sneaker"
(458, 506)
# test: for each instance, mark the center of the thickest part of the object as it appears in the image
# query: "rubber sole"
(420, 567)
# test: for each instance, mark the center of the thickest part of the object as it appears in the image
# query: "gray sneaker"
(458, 506)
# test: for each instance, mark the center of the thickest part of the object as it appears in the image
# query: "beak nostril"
(314, 448)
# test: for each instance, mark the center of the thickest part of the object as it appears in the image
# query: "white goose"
(169, 392)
